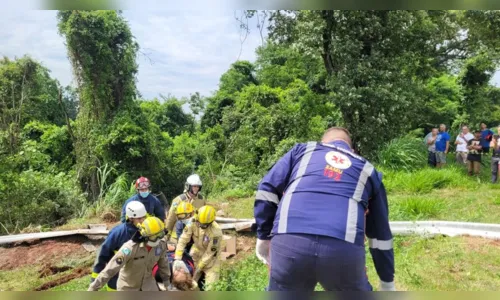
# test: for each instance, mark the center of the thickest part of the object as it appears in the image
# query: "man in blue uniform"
(312, 211)
(135, 214)
(152, 204)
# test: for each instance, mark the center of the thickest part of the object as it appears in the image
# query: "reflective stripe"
(285, 205)
(352, 211)
(110, 289)
(380, 244)
(268, 196)
(94, 275)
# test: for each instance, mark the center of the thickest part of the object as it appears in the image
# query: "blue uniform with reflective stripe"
(152, 204)
(325, 190)
(115, 239)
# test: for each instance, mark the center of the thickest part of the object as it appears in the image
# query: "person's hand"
(387, 286)
(262, 250)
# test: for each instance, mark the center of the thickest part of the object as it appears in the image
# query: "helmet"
(152, 229)
(184, 210)
(135, 209)
(205, 216)
(142, 183)
(193, 180)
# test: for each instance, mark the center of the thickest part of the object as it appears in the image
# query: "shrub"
(405, 153)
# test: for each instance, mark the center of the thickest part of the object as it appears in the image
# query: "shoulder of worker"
(127, 248)
(153, 198)
(215, 230)
(178, 199)
(200, 196)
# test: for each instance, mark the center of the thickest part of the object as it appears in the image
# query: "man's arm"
(159, 211)
(211, 253)
(172, 217)
(183, 240)
(164, 268)
(112, 268)
(105, 254)
(269, 193)
(379, 236)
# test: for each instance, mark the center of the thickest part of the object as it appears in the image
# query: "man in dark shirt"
(474, 155)
(486, 138)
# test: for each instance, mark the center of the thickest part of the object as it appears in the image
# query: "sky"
(182, 52)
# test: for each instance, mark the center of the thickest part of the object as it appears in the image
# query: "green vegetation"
(70, 154)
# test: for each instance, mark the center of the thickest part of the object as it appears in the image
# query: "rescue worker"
(135, 260)
(192, 195)
(135, 214)
(312, 210)
(153, 206)
(184, 214)
(207, 238)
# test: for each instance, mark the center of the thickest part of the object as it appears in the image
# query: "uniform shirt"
(326, 189)
(441, 140)
(115, 239)
(134, 263)
(197, 202)
(152, 204)
(206, 241)
(179, 227)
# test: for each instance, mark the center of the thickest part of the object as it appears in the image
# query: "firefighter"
(207, 237)
(312, 210)
(153, 206)
(136, 258)
(135, 214)
(184, 214)
(192, 195)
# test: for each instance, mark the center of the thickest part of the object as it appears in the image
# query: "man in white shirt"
(461, 142)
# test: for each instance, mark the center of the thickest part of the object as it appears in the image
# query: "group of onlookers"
(469, 148)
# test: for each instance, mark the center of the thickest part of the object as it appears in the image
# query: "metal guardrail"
(424, 228)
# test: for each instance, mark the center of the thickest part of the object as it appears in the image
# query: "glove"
(387, 286)
(262, 250)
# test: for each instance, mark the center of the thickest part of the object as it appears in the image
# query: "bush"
(425, 180)
(415, 207)
(405, 153)
(247, 275)
(38, 198)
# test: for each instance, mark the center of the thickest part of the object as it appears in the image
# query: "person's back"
(315, 205)
(152, 204)
(328, 192)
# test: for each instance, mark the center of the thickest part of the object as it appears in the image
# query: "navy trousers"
(300, 261)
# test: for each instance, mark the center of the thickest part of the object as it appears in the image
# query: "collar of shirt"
(341, 144)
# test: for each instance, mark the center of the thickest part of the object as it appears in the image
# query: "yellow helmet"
(205, 216)
(184, 210)
(152, 229)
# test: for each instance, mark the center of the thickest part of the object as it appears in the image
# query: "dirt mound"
(49, 270)
(109, 217)
(77, 273)
(42, 252)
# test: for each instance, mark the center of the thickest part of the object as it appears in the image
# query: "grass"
(439, 263)
(434, 264)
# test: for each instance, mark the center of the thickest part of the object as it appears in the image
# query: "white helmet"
(194, 180)
(135, 209)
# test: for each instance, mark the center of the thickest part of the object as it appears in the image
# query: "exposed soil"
(77, 273)
(109, 217)
(245, 243)
(46, 252)
(478, 244)
(49, 270)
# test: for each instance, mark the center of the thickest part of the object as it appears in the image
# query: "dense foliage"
(69, 151)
